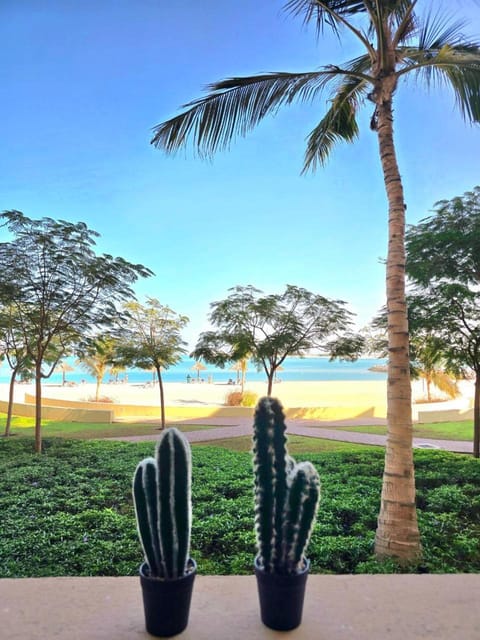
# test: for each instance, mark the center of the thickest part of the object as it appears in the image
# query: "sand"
(291, 394)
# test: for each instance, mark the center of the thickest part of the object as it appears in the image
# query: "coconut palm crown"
(396, 43)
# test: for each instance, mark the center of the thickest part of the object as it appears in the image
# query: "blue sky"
(84, 82)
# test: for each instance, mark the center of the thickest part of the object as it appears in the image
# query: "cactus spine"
(286, 494)
(162, 498)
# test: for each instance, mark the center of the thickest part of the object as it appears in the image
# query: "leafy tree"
(13, 349)
(395, 43)
(446, 245)
(59, 288)
(268, 328)
(443, 262)
(14, 346)
(151, 339)
(451, 313)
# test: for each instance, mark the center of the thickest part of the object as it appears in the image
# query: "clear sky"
(84, 81)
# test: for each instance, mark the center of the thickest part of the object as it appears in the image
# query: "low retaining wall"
(59, 412)
(191, 412)
(447, 415)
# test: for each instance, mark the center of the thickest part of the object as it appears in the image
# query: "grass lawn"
(437, 430)
(69, 511)
(24, 427)
(296, 445)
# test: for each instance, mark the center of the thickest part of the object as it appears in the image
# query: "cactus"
(162, 498)
(286, 494)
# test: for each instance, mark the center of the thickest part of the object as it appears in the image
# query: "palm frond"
(457, 66)
(438, 30)
(321, 12)
(334, 13)
(235, 106)
(339, 123)
(406, 25)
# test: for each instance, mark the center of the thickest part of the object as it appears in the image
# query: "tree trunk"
(162, 396)
(476, 417)
(97, 388)
(429, 396)
(38, 408)
(397, 531)
(270, 375)
(10, 402)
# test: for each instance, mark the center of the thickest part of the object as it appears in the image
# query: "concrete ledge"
(183, 412)
(364, 607)
(445, 415)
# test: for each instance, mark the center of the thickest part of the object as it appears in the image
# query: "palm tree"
(99, 355)
(395, 43)
(427, 353)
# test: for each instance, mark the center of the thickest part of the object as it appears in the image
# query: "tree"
(446, 245)
(151, 339)
(443, 263)
(268, 328)
(97, 356)
(60, 289)
(395, 44)
(13, 349)
(451, 312)
(428, 362)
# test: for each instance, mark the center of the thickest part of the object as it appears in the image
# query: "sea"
(294, 369)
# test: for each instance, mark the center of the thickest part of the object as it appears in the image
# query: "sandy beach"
(291, 394)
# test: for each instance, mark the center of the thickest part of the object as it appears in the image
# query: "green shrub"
(70, 512)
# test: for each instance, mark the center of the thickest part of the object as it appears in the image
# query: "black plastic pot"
(167, 602)
(281, 597)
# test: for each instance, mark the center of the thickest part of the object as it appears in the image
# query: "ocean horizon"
(294, 369)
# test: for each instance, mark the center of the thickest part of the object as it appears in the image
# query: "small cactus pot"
(166, 603)
(281, 597)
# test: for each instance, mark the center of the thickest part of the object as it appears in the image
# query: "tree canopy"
(151, 339)
(443, 264)
(59, 287)
(446, 245)
(269, 327)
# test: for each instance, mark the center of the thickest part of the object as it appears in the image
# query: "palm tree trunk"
(476, 417)
(397, 531)
(429, 383)
(97, 389)
(244, 372)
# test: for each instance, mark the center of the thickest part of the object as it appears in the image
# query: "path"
(236, 427)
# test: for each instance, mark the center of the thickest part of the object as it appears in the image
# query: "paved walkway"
(236, 427)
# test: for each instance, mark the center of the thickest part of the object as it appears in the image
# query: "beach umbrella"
(198, 366)
(64, 367)
(280, 368)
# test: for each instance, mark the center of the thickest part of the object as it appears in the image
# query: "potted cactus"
(286, 502)
(162, 498)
